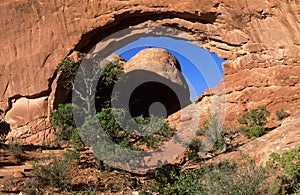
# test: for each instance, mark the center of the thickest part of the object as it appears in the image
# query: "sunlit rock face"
(259, 39)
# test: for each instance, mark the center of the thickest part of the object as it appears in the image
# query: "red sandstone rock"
(260, 40)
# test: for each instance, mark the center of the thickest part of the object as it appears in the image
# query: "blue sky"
(201, 68)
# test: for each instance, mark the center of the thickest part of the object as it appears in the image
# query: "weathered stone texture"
(259, 39)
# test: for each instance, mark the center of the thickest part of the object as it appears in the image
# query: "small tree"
(64, 126)
(68, 70)
(288, 164)
(254, 120)
(255, 117)
(62, 122)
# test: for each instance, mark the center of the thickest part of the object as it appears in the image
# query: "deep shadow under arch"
(150, 92)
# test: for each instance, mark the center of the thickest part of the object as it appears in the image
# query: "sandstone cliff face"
(259, 39)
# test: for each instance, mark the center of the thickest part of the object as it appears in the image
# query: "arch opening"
(149, 93)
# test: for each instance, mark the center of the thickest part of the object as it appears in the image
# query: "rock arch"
(248, 34)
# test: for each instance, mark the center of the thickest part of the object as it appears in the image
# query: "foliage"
(68, 70)
(281, 114)
(110, 125)
(253, 132)
(214, 137)
(218, 178)
(255, 119)
(68, 66)
(111, 73)
(70, 155)
(16, 150)
(213, 131)
(153, 139)
(194, 147)
(289, 164)
(163, 176)
(64, 126)
(87, 192)
(62, 122)
(45, 175)
(126, 139)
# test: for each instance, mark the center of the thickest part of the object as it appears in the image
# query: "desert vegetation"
(254, 122)
(67, 173)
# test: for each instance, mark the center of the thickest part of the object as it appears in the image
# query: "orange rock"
(259, 39)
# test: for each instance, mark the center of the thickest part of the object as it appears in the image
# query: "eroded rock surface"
(281, 139)
(259, 39)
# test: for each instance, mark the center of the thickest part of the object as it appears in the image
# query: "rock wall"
(259, 39)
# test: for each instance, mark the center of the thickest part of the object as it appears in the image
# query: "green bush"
(281, 114)
(53, 175)
(219, 178)
(110, 125)
(164, 176)
(193, 150)
(70, 155)
(68, 67)
(255, 119)
(213, 132)
(253, 132)
(287, 182)
(111, 73)
(62, 122)
(65, 127)
(16, 149)
(126, 139)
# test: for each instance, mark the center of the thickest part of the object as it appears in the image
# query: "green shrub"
(253, 132)
(111, 73)
(88, 192)
(213, 131)
(53, 175)
(164, 176)
(62, 122)
(65, 127)
(255, 119)
(218, 178)
(193, 150)
(281, 114)
(126, 139)
(68, 69)
(110, 125)
(16, 149)
(289, 163)
(164, 132)
(70, 155)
